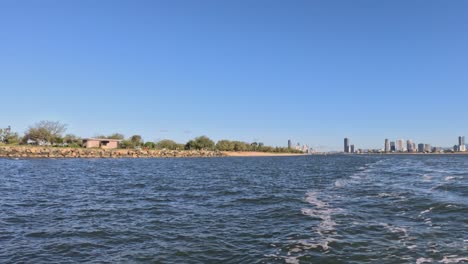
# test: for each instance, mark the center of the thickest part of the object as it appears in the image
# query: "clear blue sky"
(311, 71)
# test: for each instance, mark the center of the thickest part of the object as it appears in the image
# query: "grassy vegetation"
(51, 133)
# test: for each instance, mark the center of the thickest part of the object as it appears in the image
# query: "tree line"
(52, 133)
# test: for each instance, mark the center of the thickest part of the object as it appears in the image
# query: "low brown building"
(104, 143)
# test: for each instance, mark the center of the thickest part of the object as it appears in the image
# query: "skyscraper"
(427, 148)
(421, 147)
(387, 145)
(400, 145)
(289, 144)
(392, 146)
(352, 148)
(409, 145)
(346, 145)
(461, 144)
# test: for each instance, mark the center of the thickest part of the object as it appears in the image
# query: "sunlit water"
(313, 209)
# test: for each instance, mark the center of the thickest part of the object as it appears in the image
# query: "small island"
(47, 139)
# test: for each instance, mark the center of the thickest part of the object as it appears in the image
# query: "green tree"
(137, 140)
(202, 142)
(8, 137)
(12, 139)
(190, 145)
(166, 144)
(47, 131)
(225, 145)
(266, 149)
(126, 144)
(72, 140)
(116, 136)
(150, 145)
(180, 146)
(240, 146)
(254, 146)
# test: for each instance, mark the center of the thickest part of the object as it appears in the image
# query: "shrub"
(202, 142)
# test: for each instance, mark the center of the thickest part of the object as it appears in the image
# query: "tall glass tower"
(346, 145)
(387, 145)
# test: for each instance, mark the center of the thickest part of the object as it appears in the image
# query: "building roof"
(103, 139)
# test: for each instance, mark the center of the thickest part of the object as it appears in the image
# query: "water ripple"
(313, 209)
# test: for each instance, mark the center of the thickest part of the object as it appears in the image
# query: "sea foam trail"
(424, 260)
(454, 259)
(326, 228)
(320, 209)
(357, 177)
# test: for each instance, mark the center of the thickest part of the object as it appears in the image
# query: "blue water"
(309, 209)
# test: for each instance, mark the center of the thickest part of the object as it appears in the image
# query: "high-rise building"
(289, 144)
(346, 145)
(409, 145)
(387, 145)
(427, 148)
(392, 146)
(400, 145)
(461, 144)
(298, 146)
(421, 147)
(352, 148)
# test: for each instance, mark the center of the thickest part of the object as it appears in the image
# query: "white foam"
(311, 197)
(428, 221)
(325, 229)
(340, 183)
(453, 259)
(426, 211)
(355, 178)
(396, 229)
(321, 211)
(304, 244)
(295, 250)
(424, 260)
(291, 260)
(427, 177)
(382, 195)
(448, 178)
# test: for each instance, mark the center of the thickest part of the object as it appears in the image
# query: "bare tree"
(48, 131)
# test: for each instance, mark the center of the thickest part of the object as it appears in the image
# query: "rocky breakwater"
(50, 152)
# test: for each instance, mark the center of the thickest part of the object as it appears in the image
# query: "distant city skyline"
(265, 71)
(408, 147)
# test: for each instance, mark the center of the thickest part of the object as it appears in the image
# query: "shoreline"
(56, 152)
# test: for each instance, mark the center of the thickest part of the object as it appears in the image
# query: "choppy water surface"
(314, 209)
